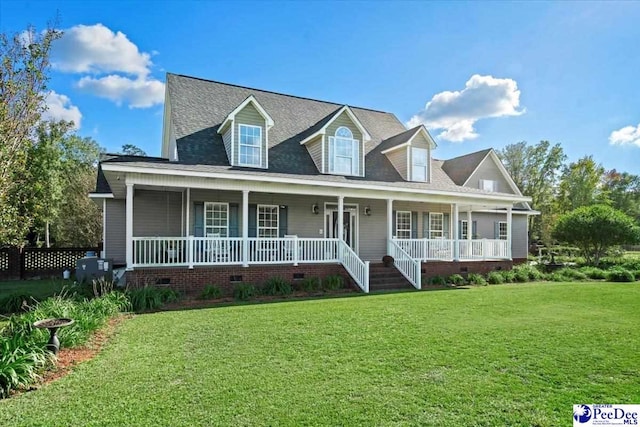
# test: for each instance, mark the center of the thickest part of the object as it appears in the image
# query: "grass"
(517, 355)
(39, 289)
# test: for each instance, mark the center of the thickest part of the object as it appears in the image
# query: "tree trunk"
(46, 235)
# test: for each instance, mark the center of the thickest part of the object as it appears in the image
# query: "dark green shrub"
(620, 275)
(572, 274)
(210, 292)
(495, 278)
(276, 286)
(244, 291)
(437, 281)
(555, 277)
(16, 303)
(593, 273)
(509, 276)
(521, 276)
(151, 298)
(476, 279)
(21, 361)
(332, 283)
(457, 280)
(637, 274)
(310, 284)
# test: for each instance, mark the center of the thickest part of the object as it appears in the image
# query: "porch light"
(367, 211)
(315, 209)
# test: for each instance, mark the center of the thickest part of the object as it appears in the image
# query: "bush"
(276, 286)
(244, 291)
(531, 271)
(21, 360)
(310, 284)
(437, 281)
(476, 279)
(509, 276)
(210, 292)
(620, 275)
(594, 273)
(457, 280)
(637, 274)
(15, 303)
(332, 283)
(555, 277)
(151, 298)
(520, 276)
(571, 274)
(495, 278)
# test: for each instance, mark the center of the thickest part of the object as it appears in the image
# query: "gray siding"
(398, 159)
(486, 230)
(343, 120)
(315, 151)
(489, 170)
(157, 213)
(226, 138)
(115, 239)
(250, 116)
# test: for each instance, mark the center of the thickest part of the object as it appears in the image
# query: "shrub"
(620, 275)
(509, 276)
(210, 292)
(276, 286)
(637, 274)
(571, 274)
(476, 279)
(437, 281)
(531, 271)
(495, 278)
(21, 360)
(244, 291)
(457, 280)
(555, 277)
(520, 276)
(151, 298)
(594, 273)
(332, 283)
(310, 284)
(15, 303)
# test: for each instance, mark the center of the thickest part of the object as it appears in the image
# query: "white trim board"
(502, 169)
(322, 131)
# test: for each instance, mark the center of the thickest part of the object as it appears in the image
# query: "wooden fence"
(25, 263)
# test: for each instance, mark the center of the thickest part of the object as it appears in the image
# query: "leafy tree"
(23, 82)
(535, 170)
(132, 150)
(594, 229)
(623, 192)
(580, 185)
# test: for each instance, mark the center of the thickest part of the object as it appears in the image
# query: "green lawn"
(517, 355)
(39, 289)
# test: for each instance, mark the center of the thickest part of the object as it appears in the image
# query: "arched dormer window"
(343, 153)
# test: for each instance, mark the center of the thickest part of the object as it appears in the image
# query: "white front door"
(349, 221)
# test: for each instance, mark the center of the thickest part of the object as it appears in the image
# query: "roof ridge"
(280, 93)
(469, 154)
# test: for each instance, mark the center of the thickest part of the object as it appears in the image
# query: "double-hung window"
(216, 219)
(403, 225)
(419, 164)
(268, 221)
(436, 225)
(250, 143)
(502, 230)
(344, 156)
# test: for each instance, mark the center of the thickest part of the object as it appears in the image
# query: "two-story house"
(253, 184)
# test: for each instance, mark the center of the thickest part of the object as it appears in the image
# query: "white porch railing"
(444, 249)
(216, 250)
(292, 249)
(160, 251)
(357, 268)
(407, 266)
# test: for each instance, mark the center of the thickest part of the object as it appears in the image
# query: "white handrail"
(165, 251)
(410, 268)
(357, 268)
(443, 249)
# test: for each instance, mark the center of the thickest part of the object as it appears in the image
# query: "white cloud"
(138, 93)
(628, 135)
(59, 107)
(97, 49)
(456, 112)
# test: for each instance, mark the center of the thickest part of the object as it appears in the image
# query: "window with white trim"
(419, 164)
(436, 225)
(488, 185)
(250, 143)
(502, 230)
(268, 221)
(216, 219)
(464, 229)
(343, 153)
(403, 225)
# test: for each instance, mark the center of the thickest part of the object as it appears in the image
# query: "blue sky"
(493, 73)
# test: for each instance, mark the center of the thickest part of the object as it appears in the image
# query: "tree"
(132, 150)
(580, 185)
(23, 82)
(594, 229)
(535, 170)
(623, 192)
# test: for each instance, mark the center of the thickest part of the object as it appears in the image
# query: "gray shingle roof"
(461, 168)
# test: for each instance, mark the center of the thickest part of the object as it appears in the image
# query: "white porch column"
(469, 226)
(389, 223)
(245, 228)
(187, 214)
(340, 217)
(129, 226)
(456, 242)
(509, 234)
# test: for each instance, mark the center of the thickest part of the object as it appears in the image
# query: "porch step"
(383, 278)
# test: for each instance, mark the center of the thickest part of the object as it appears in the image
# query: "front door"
(349, 222)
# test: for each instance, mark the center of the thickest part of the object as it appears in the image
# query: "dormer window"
(343, 153)
(250, 143)
(419, 164)
(488, 185)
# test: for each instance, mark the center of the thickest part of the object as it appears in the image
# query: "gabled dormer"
(245, 133)
(410, 153)
(336, 143)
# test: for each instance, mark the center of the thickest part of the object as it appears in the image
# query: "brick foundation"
(447, 268)
(192, 281)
